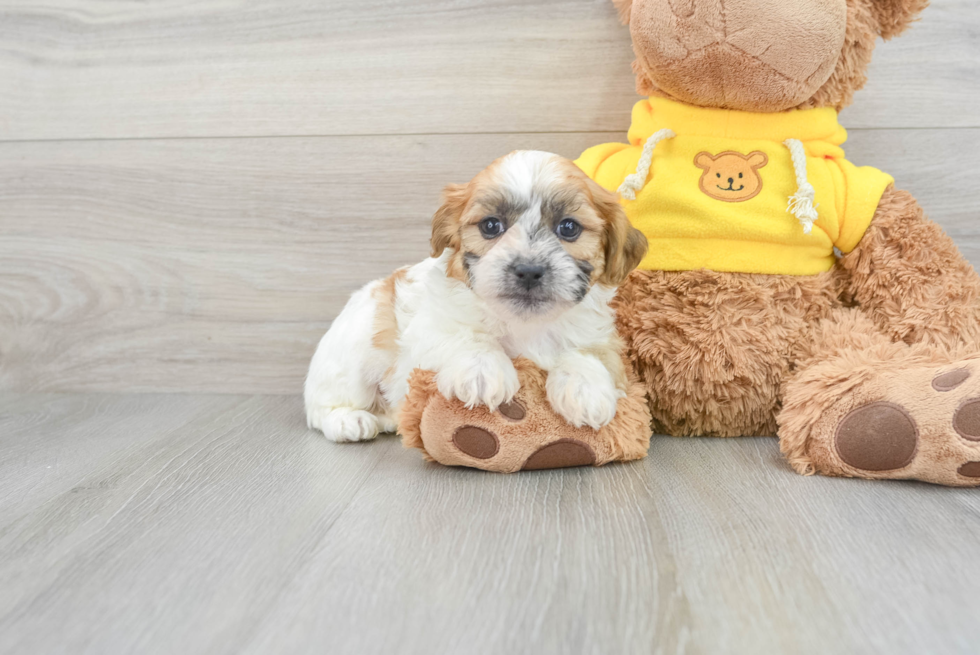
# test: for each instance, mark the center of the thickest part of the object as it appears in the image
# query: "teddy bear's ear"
(644, 86)
(623, 7)
(894, 16)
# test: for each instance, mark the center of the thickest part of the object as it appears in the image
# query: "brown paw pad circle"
(970, 470)
(563, 453)
(476, 442)
(966, 420)
(877, 437)
(951, 380)
(513, 410)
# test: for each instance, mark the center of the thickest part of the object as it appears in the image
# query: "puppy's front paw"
(342, 424)
(486, 378)
(583, 395)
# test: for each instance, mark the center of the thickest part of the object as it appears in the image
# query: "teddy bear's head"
(759, 55)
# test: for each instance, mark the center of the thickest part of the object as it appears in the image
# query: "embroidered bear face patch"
(731, 176)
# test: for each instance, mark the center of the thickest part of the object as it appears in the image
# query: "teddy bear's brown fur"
(871, 369)
(866, 370)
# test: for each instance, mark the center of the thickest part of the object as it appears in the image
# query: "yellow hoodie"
(723, 191)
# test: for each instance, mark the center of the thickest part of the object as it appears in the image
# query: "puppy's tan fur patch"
(385, 328)
(612, 360)
(446, 226)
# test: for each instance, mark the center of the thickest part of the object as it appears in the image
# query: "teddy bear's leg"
(713, 348)
(862, 405)
(523, 434)
(891, 388)
(908, 277)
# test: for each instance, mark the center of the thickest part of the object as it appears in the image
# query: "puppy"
(525, 260)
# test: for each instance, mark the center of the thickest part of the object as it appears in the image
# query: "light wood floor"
(188, 193)
(218, 524)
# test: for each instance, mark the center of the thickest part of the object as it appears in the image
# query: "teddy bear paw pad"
(564, 453)
(513, 410)
(966, 420)
(951, 380)
(476, 442)
(970, 470)
(877, 437)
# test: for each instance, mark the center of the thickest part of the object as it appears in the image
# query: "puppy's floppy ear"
(624, 7)
(625, 246)
(894, 16)
(445, 222)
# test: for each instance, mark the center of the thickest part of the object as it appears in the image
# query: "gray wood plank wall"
(189, 191)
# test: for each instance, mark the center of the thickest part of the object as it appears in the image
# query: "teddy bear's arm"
(909, 277)
(609, 163)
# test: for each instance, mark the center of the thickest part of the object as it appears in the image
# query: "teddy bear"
(524, 434)
(786, 292)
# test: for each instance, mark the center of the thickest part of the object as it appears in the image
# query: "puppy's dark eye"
(569, 229)
(491, 227)
(740, 176)
(717, 174)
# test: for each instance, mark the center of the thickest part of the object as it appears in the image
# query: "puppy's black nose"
(731, 180)
(529, 275)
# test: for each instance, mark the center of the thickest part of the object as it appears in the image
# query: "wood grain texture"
(232, 529)
(101, 69)
(216, 265)
(192, 264)
(98, 432)
(142, 250)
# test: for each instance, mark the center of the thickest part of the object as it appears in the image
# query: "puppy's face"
(532, 234)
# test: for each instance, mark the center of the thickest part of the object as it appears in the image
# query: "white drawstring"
(802, 204)
(635, 182)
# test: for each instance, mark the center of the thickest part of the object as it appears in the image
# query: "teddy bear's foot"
(851, 417)
(484, 444)
(522, 435)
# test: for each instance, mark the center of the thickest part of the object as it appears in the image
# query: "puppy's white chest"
(543, 348)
